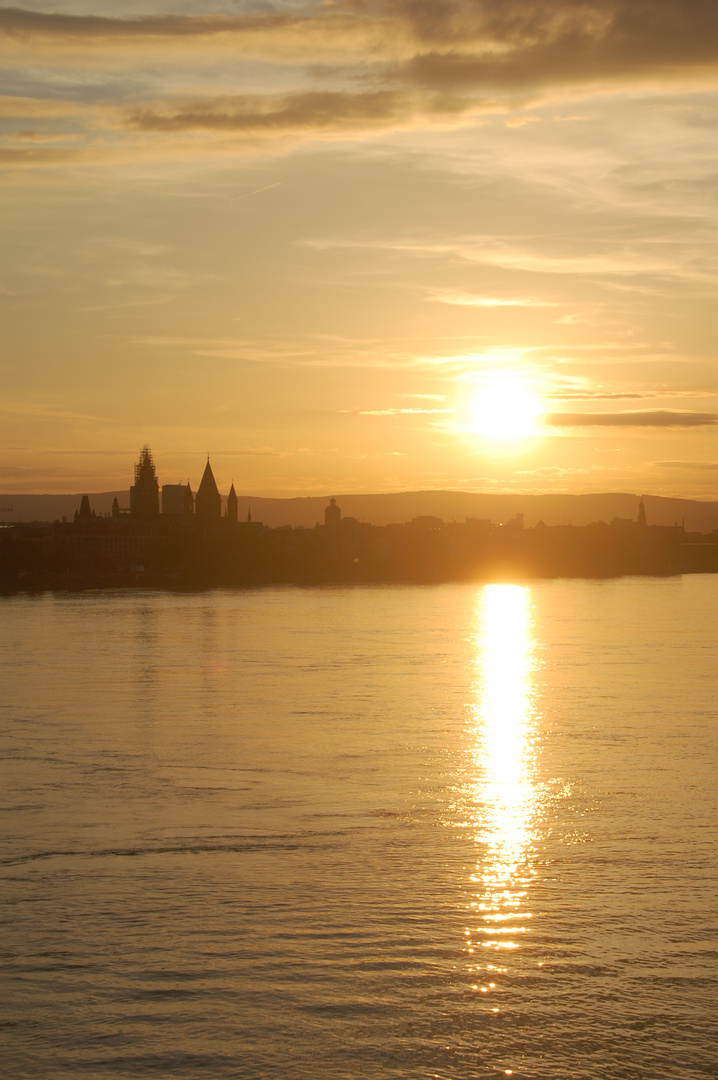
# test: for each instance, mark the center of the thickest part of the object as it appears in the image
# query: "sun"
(505, 408)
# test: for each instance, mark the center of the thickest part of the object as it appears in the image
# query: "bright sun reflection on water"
(503, 793)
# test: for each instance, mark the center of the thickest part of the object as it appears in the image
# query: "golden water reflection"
(503, 797)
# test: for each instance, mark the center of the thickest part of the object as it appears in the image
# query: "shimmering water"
(457, 832)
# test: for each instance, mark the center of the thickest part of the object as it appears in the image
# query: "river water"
(447, 832)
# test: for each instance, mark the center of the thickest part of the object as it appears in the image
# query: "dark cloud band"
(442, 44)
(634, 418)
(37, 24)
(313, 110)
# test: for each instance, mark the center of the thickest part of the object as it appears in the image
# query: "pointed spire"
(85, 515)
(232, 505)
(208, 502)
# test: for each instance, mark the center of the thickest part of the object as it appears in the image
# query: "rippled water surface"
(457, 832)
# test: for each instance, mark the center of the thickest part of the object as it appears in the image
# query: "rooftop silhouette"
(145, 492)
(208, 502)
(190, 544)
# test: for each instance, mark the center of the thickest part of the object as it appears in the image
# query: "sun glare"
(505, 407)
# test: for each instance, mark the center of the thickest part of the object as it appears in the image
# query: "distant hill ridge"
(399, 507)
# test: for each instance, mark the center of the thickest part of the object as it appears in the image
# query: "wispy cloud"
(556, 472)
(700, 466)
(459, 299)
(665, 259)
(15, 107)
(40, 411)
(318, 351)
(401, 412)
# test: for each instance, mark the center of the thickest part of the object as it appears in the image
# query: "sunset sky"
(370, 245)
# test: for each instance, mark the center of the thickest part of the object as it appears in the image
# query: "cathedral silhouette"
(177, 499)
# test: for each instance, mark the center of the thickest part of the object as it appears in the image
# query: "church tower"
(641, 515)
(85, 515)
(232, 506)
(145, 492)
(208, 502)
(332, 514)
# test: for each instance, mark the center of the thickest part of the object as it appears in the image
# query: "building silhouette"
(232, 506)
(145, 492)
(208, 503)
(85, 515)
(184, 547)
(332, 514)
(178, 502)
(177, 499)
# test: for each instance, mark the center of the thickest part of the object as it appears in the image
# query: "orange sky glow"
(360, 246)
